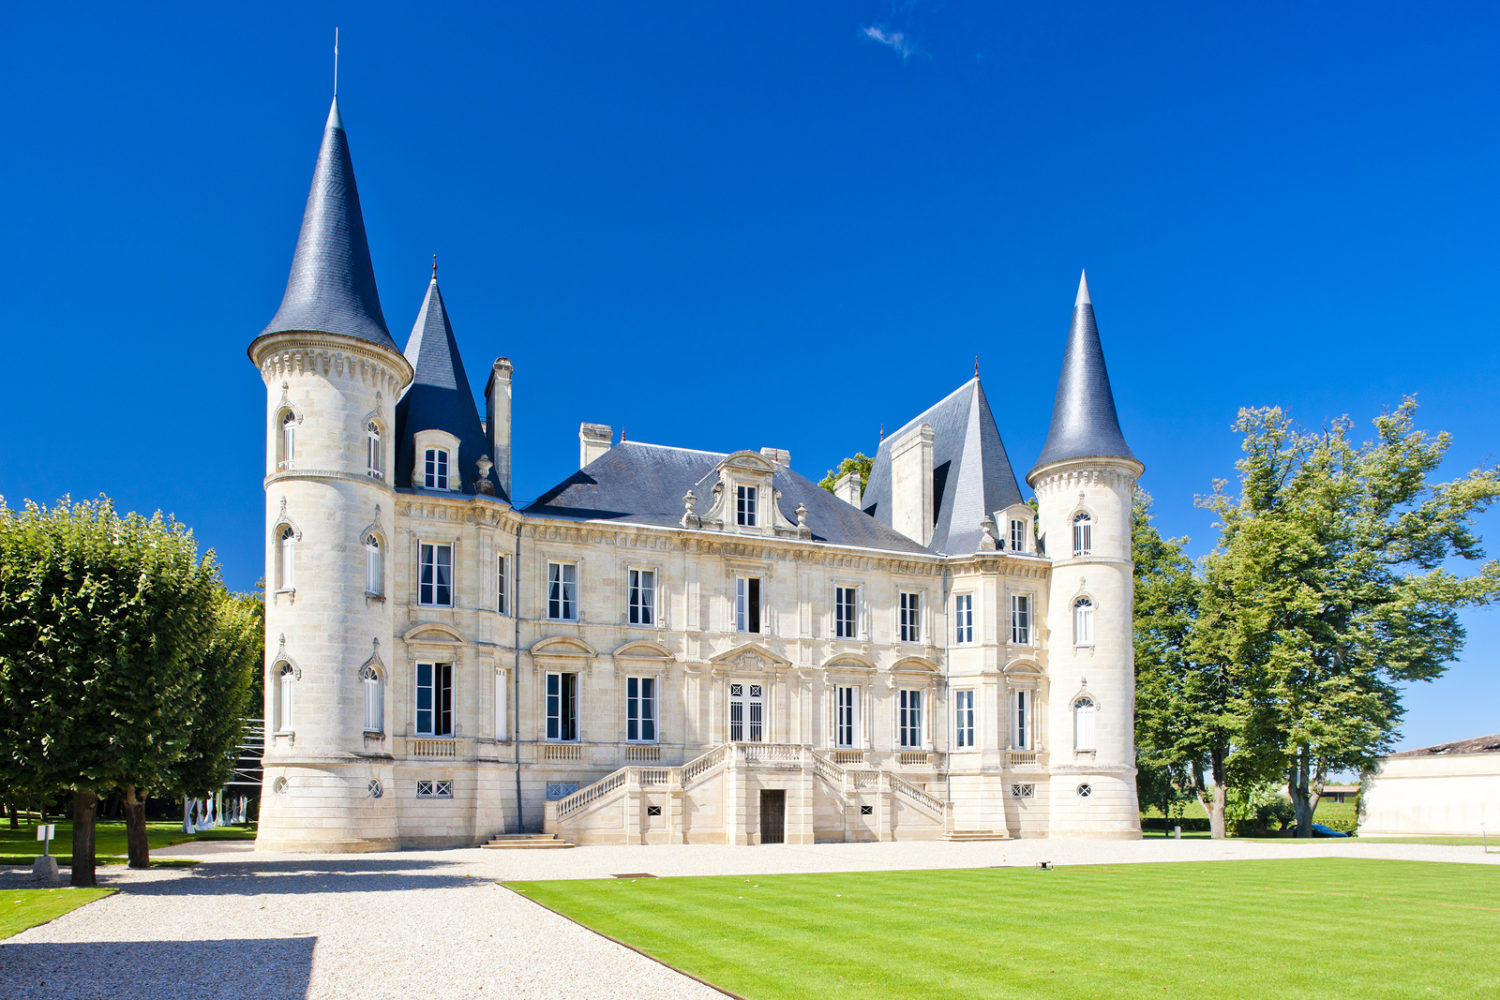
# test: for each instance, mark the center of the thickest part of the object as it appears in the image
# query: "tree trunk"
(1217, 828)
(137, 846)
(84, 803)
(1301, 795)
(15, 815)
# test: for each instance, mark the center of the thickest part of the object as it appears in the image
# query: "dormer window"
(1017, 535)
(374, 451)
(745, 506)
(435, 469)
(288, 443)
(1083, 534)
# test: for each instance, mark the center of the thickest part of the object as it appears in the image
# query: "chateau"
(671, 646)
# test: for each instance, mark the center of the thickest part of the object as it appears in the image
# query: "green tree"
(860, 463)
(1328, 589)
(100, 617)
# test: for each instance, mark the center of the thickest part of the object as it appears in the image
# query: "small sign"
(46, 831)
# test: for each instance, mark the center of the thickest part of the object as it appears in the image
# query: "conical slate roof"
(1084, 422)
(332, 285)
(439, 397)
(971, 473)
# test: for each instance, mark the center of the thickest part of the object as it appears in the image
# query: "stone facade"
(1449, 790)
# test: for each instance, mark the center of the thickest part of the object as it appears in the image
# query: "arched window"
(288, 438)
(1083, 622)
(1083, 533)
(1083, 724)
(374, 451)
(285, 552)
(286, 674)
(374, 566)
(374, 699)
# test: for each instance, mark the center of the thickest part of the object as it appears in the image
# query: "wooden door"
(772, 816)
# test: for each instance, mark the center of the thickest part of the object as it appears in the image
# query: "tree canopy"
(860, 463)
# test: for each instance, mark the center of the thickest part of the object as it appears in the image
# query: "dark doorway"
(772, 816)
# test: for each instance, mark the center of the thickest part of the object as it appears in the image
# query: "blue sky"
(732, 226)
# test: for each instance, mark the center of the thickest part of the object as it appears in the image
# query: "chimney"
(911, 484)
(497, 420)
(779, 456)
(847, 489)
(593, 441)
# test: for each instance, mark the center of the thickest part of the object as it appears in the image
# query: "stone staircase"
(963, 836)
(526, 842)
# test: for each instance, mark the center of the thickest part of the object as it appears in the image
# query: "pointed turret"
(439, 397)
(332, 285)
(1084, 421)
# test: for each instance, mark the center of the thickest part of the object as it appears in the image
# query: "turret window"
(374, 567)
(369, 680)
(435, 583)
(1083, 724)
(286, 548)
(1083, 534)
(1083, 622)
(435, 469)
(374, 451)
(286, 675)
(288, 442)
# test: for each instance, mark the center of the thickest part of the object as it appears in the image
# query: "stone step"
(526, 842)
(967, 835)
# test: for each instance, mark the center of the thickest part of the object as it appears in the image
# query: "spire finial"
(1083, 291)
(434, 267)
(976, 366)
(882, 432)
(335, 62)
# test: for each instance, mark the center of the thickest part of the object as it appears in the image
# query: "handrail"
(919, 795)
(569, 804)
(693, 770)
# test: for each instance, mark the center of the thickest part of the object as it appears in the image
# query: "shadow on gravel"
(253, 878)
(265, 968)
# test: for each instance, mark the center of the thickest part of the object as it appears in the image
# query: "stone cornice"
(284, 355)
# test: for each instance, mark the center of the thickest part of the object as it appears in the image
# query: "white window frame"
(1018, 534)
(439, 711)
(641, 699)
(640, 596)
(751, 705)
(1083, 533)
(749, 604)
(286, 676)
(437, 469)
(910, 719)
(374, 699)
(562, 591)
(374, 566)
(374, 451)
(845, 612)
(747, 506)
(560, 694)
(286, 558)
(963, 718)
(963, 618)
(1020, 619)
(1023, 718)
(1083, 622)
(846, 717)
(434, 789)
(502, 585)
(1085, 713)
(433, 590)
(286, 446)
(502, 718)
(909, 616)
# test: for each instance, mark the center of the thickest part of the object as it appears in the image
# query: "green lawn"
(1304, 928)
(23, 908)
(20, 846)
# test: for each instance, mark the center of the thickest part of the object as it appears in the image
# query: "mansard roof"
(331, 288)
(439, 397)
(971, 473)
(636, 483)
(1084, 421)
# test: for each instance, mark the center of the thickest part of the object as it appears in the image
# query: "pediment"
(750, 656)
(914, 665)
(434, 633)
(748, 461)
(1022, 667)
(848, 661)
(643, 649)
(562, 645)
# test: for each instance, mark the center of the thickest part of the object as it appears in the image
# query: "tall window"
(845, 716)
(1083, 622)
(374, 566)
(435, 469)
(745, 503)
(844, 604)
(286, 676)
(909, 722)
(747, 713)
(963, 617)
(374, 451)
(911, 617)
(1021, 737)
(1083, 724)
(286, 550)
(501, 718)
(640, 596)
(1020, 619)
(963, 721)
(1083, 534)
(562, 706)
(434, 699)
(369, 680)
(562, 591)
(747, 604)
(1017, 535)
(640, 709)
(288, 439)
(435, 581)
(502, 586)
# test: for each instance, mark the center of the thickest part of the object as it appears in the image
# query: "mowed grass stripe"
(1211, 929)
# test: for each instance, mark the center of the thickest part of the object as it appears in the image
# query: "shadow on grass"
(266, 968)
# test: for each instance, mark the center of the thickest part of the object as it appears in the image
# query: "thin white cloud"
(893, 40)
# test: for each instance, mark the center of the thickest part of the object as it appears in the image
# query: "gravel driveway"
(434, 923)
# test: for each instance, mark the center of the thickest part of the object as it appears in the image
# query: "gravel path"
(420, 923)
